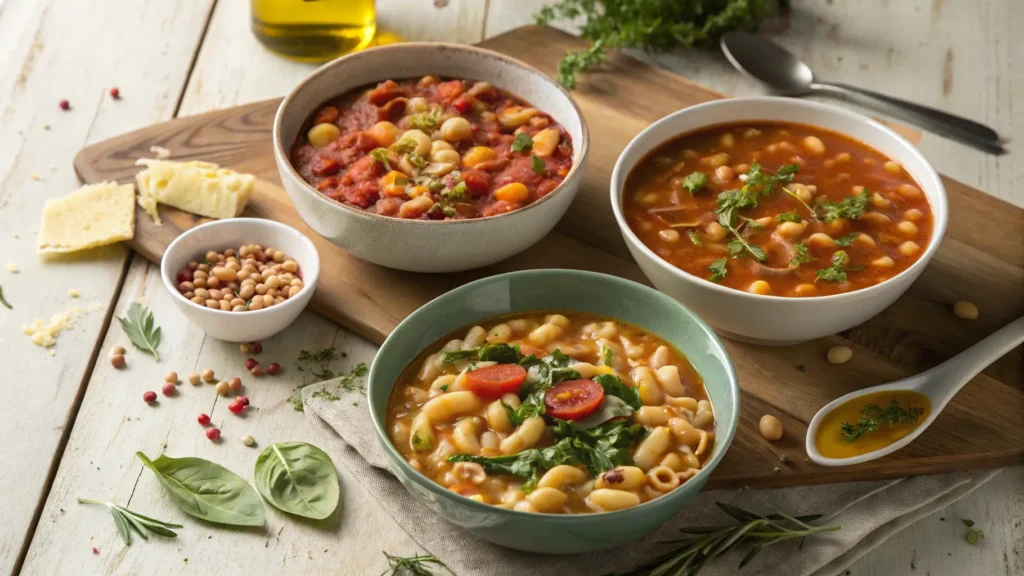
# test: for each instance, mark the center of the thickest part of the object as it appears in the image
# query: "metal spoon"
(939, 384)
(765, 61)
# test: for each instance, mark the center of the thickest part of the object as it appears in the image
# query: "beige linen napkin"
(869, 512)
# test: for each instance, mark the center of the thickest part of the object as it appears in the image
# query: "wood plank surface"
(46, 55)
(371, 300)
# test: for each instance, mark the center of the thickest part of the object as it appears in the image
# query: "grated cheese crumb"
(34, 176)
(161, 152)
(16, 235)
(12, 268)
(73, 293)
(52, 353)
(45, 333)
(46, 126)
(95, 306)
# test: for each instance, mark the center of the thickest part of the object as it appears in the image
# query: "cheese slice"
(94, 215)
(198, 187)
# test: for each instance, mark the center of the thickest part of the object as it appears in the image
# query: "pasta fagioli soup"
(553, 412)
(778, 208)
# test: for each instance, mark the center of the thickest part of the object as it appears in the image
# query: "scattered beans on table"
(244, 400)
(208, 376)
(839, 354)
(194, 379)
(169, 389)
(118, 350)
(171, 377)
(236, 407)
(965, 310)
(117, 361)
(248, 440)
(203, 419)
(223, 389)
(213, 434)
(255, 347)
(235, 384)
(256, 371)
(247, 279)
(771, 427)
(149, 396)
(251, 363)
(64, 104)
(115, 93)
(273, 368)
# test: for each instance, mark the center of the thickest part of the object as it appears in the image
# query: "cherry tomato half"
(573, 399)
(493, 381)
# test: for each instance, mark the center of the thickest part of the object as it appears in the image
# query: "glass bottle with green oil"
(314, 30)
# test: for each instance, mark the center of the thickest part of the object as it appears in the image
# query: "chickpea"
(193, 379)
(892, 167)
(273, 282)
(224, 305)
(715, 232)
(256, 304)
(211, 303)
(669, 235)
(445, 157)
(321, 135)
(223, 389)
(208, 375)
(771, 427)
(455, 129)
(118, 350)
(225, 274)
(198, 300)
(422, 141)
(760, 287)
(171, 377)
(235, 384)
(293, 291)
(965, 310)
(790, 230)
(213, 282)
(247, 292)
(724, 173)
(839, 354)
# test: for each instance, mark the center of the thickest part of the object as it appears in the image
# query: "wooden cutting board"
(981, 260)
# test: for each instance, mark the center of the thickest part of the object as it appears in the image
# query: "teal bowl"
(561, 290)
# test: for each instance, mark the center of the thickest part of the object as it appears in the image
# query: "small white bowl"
(427, 245)
(220, 235)
(776, 320)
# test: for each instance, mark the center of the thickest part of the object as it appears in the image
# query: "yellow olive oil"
(831, 441)
(314, 30)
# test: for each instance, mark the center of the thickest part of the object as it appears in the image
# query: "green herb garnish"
(138, 326)
(718, 270)
(801, 256)
(695, 182)
(758, 183)
(522, 143)
(537, 164)
(851, 207)
(606, 355)
(695, 238)
(837, 271)
(411, 566)
(127, 522)
(790, 217)
(4, 300)
(417, 160)
(700, 545)
(380, 156)
(847, 240)
(405, 145)
(425, 121)
(444, 388)
(654, 25)
(872, 416)
(973, 535)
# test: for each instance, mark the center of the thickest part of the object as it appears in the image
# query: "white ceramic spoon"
(939, 384)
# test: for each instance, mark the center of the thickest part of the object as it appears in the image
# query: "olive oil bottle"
(314, 30)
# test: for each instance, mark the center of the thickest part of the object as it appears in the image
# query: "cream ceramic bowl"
(231, 233)
(776, 320)
(427, 245)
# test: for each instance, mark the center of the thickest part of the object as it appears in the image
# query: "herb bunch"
(411, 566)
(700, 545)
(128, 522)
(653, 25)
(872, 416)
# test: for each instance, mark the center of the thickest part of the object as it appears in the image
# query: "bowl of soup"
(430, 157)
(554, 411)
(778, 220)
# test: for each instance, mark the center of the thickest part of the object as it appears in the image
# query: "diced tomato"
(547, 187)
(573, 399)
(388, 206)
(463, 104)
(327, 184)
(385, 92)
(362, 194)
(327, 115)
(493, 381)
(323, 166)
(364, 170)
(477, 182)
(450, 90)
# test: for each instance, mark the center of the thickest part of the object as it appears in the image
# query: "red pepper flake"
(95, 550)
(64, 104)
(115, 93)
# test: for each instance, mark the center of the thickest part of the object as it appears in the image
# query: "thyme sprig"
(872, 416)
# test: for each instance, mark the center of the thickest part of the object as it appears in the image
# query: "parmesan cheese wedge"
(94, 215)
(198, 187)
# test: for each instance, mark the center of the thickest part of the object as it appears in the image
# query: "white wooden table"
(70, 424)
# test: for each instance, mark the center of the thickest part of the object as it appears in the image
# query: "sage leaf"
(208, 491)
(138, 326)
(298, 478)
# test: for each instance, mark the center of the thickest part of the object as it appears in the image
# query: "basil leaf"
(208, 491)
(298, 478)
(501, 353)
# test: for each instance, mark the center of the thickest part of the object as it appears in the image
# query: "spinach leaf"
(527, 464)
(298, 478)
(613, 386)
(456, 355)
(611, 407)
(602, 447)
(500, 353)
(541, 375)
(208, 491)
(695, 182)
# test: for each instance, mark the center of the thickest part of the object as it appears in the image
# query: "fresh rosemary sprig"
(701, 545)
(128, 521)
(872, 416)
(411, 566)
(138, 326)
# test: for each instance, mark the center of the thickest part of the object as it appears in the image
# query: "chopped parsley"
(695, 182)
(847, 240)
(417, 160)
(973, 534)
(790, 217)
(837, 271)
(522, 143)
(801, 256)
(444, 388)
(405, 145)
(718, 270)
(318, 365)
(537, 164)
(425, 121)
(380, 156)
(606, 355)
(851, 207)
(695, 238)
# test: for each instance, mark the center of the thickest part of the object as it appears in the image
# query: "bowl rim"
(725, 440)
(580, 149)
(310, 281)
(939, 206)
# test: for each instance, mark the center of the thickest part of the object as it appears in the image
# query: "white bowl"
(427, 245)
(252, 325)
(777, 320)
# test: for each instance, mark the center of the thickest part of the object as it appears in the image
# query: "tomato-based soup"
(559, 413)
(775, 208)
(433, 148)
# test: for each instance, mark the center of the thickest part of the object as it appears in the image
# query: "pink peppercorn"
(236, 407)
(115, 93)
(251, 363)
(213, 434)
(64, 104)
(203, 419)
(273, 368)
(149, 396)
(169, 389)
